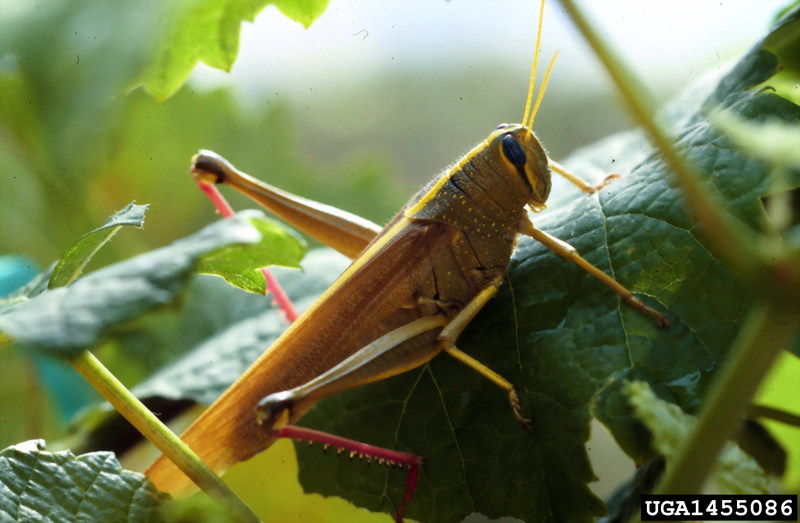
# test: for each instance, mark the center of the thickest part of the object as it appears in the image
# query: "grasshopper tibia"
(384, 456)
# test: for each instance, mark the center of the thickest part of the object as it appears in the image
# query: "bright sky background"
(354, 38)
(488, 46)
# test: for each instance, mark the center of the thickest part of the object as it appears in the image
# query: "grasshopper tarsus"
(526, 423)
(579, 182)
(662, 322)
(607, 180)
(516, 408)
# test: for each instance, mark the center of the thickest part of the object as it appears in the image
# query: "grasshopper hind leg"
(377, 360)
(381, 455)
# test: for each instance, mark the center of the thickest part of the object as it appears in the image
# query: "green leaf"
(737, 473)
(220, 331)
(303, 11)
(239, 264)
(72, 263)
(67, 320)
(774, 142)
(208, 31)
(37, 485)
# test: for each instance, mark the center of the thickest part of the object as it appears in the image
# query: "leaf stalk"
(160, 435)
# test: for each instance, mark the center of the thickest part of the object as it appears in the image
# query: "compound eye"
(501, 126)
(514, 151)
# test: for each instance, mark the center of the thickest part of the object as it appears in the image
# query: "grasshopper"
(412, 288)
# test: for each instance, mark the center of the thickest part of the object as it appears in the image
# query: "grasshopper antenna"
(528, 115)
(540, 96)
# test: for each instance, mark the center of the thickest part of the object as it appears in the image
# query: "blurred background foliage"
(79, 140)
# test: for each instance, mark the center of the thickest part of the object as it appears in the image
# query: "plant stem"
(768, 329)
(159, 434)
(727, 237)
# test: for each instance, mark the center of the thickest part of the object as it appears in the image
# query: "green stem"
(768, 329)
(728, 238)
(159, 434)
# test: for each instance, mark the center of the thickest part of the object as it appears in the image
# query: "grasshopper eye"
(513, 151)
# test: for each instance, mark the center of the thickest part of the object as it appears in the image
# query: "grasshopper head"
(522, 153)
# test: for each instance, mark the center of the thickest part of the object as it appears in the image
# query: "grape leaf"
(560, 336)
(67, 320)
(239, 264)
(72, 263)
(737, 473)
(37, 485)
(208, 31)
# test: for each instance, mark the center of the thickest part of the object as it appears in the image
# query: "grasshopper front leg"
(577, 181)
(569, 253)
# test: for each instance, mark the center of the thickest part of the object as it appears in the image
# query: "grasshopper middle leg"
(453, 329)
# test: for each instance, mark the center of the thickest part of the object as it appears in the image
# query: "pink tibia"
(383, 456)
(281, 298)
(216, 198)
(272, 285)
